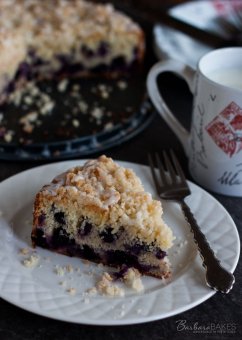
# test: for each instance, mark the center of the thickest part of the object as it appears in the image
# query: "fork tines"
(169, 166)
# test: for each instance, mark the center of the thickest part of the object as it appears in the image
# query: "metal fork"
(171, 185)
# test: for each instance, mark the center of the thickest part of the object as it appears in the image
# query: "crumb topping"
(111, 195)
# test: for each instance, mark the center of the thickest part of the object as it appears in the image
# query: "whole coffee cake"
(42, 39)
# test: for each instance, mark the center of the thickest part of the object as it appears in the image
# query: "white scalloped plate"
(38, 290)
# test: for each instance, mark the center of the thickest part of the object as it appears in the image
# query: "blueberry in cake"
(41, 39)
(100, 212)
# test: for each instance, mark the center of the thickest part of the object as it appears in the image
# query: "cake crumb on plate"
(60, 271)
(31, 262)
(24, 251)
(132, 278)
(105, 286)
(91, 291)
(71, 291)
(69, 268)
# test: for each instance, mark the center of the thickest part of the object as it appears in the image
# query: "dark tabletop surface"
(224, 311)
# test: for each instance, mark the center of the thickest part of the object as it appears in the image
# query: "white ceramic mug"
(214, 144)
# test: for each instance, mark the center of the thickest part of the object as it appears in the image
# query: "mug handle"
(188, 74)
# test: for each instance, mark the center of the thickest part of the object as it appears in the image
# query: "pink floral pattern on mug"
(226, 129)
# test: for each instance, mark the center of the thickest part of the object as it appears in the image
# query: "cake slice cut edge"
(101, 212)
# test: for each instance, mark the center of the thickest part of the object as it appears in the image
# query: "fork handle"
(203, 245)
(207, 254)
(217, 277)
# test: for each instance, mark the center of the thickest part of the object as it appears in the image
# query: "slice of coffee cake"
(100, 212)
